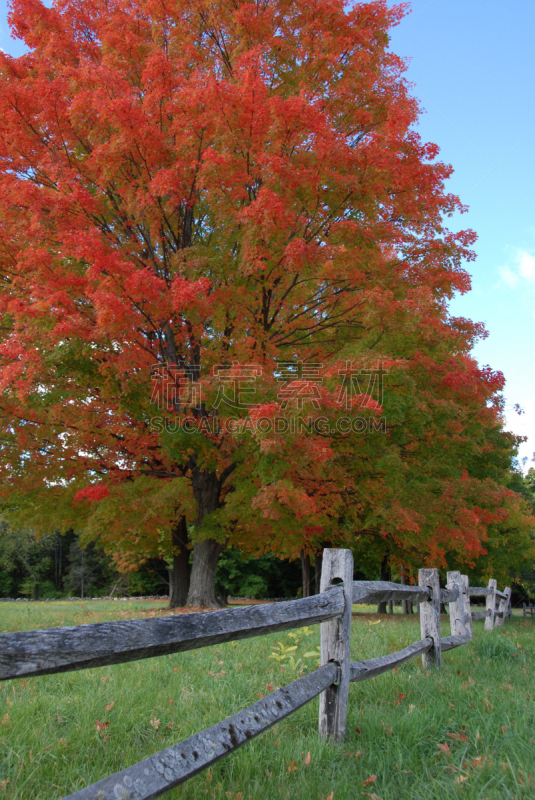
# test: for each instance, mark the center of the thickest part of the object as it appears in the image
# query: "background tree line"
(56, 565)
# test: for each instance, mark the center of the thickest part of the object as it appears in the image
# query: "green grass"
(468, 731)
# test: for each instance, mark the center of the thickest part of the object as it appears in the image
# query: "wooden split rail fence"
(528, 609)
(44, 652)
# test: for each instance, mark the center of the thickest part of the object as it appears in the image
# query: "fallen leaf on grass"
(411, 708)
(291, 766)
(358, 730)
(3, 785)
(307, 758)
(110, 706)
(489, 707)
(503, 729)
(101, 726)
(372, 796)
(328, 797)
(369, 780)
(460, 736)
(461, 779)
(444, 747)
(155, 723)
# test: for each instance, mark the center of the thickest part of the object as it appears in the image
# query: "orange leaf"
(369, 780)
(444, 747)
(307, 758)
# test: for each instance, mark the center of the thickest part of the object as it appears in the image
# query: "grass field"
(466, 732)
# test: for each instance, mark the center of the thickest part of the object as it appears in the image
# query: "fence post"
(467, 607)
(457, 609)
(430, 616)
(491, 605)
(337, 567)
(504, 603)
(524, 610)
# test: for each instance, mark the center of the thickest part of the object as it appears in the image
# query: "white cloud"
(519, 270)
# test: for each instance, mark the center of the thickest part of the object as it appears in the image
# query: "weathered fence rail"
(55, 650)
(51, 650)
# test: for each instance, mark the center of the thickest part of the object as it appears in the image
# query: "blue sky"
(472, 64)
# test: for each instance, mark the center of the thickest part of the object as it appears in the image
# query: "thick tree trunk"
(206, 490)
(36, 591)
(305, 573)
(179, 574)
(202, 581)
(385, 576)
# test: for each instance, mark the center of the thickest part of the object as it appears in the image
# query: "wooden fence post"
(467, 606)
(457, 609)
(337, 567)
(491, 605)
(430, 616)
(504, 604)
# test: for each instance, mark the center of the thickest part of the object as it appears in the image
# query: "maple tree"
(187, 187)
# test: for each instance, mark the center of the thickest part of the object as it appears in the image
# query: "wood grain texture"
(335, 643)
(53, 650)
(504, 605)
(477, 591)
(449, 595)
(449, 642)
(467, 608)
(430, 617)
(491, 604)
(362, 670)
(500, 595)
(457, 612)
(372, 592)
(161, 772)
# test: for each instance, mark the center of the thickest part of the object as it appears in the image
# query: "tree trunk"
(206, 490)
(403, 602)
(202, 581)
(305, 573)
(180, 573)
(385, 576)
(318, 562)
(36, 591)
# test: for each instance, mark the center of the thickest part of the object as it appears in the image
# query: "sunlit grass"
(468, 731)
